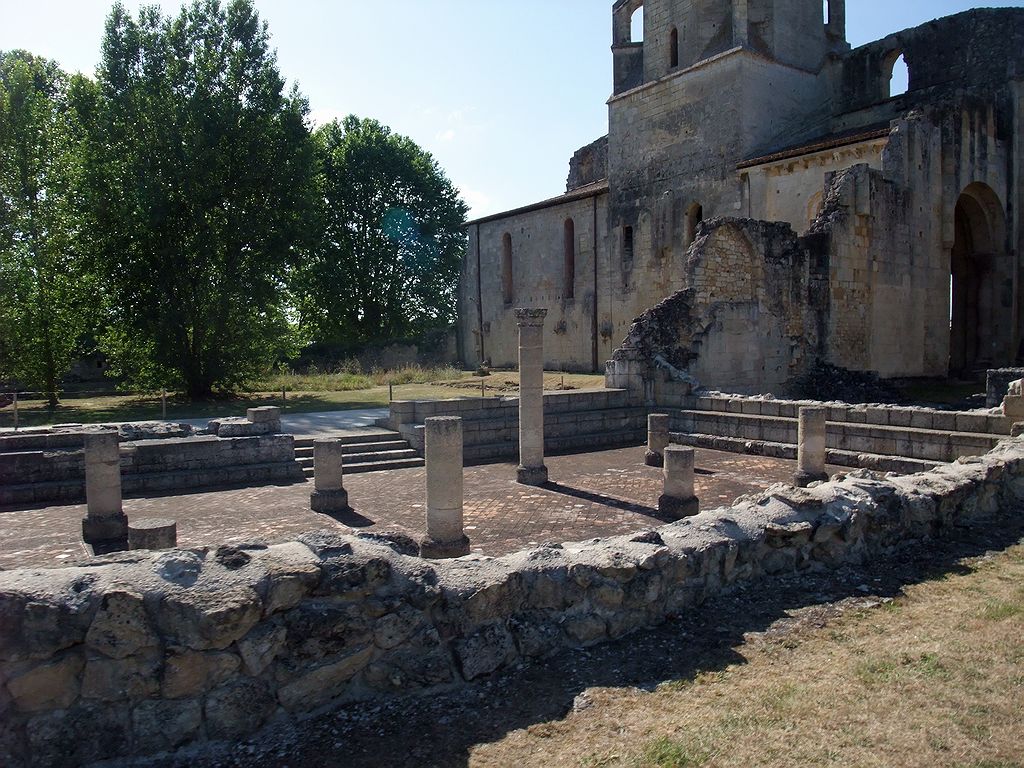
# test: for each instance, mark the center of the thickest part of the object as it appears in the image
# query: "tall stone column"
(532, 470)
(105, 523)
(811, 447)
(443, 452)
(679, 499)
(329, 494)
(657, 439)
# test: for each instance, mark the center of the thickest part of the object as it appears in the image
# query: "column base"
(329, 501)
(443, 550)
(676, 508)
(804, 479)
(532, 475)
(109, 528)
(654, 459)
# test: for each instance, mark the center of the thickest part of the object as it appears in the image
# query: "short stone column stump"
(329, 494)
(443, 455)
(679, 499)
(105, 526)
(153, 533)
(811, 447)
(657, 439)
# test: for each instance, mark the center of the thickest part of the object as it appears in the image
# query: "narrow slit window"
(569, 268)
(506, 269)
(673, 48)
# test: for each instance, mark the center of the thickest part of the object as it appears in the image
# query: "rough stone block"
(264, 414)
(153, 533)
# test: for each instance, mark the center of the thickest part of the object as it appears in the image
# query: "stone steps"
(905, 442)
(553, 445)
(873, 461)
(364, 452)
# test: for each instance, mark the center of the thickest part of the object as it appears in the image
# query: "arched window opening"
(507, 293)
(673, 48)
(694, 216)
(569, 268)
(636, 26)
(627, 244)
(899, 77)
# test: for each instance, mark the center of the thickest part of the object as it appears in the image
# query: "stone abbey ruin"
(760, 205)
(759, 185)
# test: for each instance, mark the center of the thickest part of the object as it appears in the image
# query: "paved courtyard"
(595, 494)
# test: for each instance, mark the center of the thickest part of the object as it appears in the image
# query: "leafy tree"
(200, 175)
(387, 261)
(45, 296)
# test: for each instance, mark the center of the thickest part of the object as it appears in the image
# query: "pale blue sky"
(502, 92)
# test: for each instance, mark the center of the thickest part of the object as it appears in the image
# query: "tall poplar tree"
(200, 172)
(45, 296)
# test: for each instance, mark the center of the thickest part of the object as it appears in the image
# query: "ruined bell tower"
(708, 82)
(678, 34)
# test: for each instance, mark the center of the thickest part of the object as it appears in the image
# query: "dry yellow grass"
(934, 679)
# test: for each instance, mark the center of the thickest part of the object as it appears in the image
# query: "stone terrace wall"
(575, 419)
(56, 471)
(883, 437)
(145, 652)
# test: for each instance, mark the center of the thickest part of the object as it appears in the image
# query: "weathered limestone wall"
(792, 189)
(140, 654)
(892, 234)
(746, 320)
(588, 165)
(573, 339)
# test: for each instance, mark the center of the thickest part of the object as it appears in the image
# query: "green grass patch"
(888, 670)
(1000, 610)
(672, 753)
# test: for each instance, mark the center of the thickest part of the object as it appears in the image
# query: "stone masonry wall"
(747, 319)
(574, 420)
(143, 652)
(56, 470)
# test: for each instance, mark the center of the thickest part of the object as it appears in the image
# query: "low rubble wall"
(144, 652)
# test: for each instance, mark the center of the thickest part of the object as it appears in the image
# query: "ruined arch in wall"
(980, 309)
(897, 74)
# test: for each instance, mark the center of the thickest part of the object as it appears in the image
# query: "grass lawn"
(935, 678)
(306, 394)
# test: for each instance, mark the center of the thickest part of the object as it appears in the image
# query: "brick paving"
(594, 494)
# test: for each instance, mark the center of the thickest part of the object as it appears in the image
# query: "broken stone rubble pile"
(143, 652)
